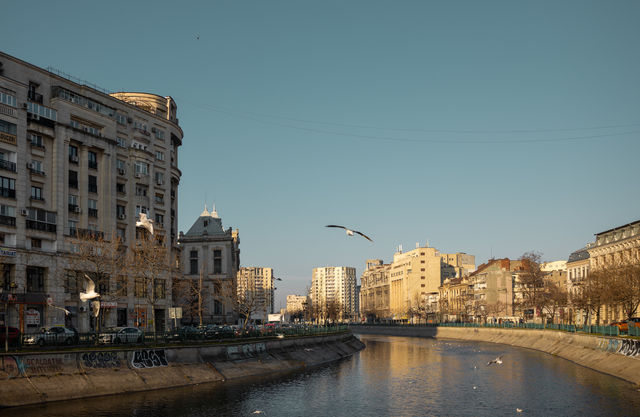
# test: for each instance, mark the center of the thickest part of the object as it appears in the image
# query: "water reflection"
(393, 376)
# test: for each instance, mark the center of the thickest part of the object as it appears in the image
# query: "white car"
(118, 335)
(57, 335)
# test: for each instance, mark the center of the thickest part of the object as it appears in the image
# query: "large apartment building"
(255, 290)
(75, 160)
(334, 284)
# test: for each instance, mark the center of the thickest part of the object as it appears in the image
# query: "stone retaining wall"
(41, 377)
(619, 357)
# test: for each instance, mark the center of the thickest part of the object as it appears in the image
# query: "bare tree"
(101, 260)
(553, 299)
(190, 294)
(151, 268)
(531, 282)
(624, 286)
(332, 310)
(592, 294)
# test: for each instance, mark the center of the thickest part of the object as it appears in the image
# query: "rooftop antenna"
(417, 245)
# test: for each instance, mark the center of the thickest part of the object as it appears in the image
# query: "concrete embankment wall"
(41, 377)
(619, 357)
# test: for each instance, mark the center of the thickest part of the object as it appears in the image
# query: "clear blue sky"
(489, 127)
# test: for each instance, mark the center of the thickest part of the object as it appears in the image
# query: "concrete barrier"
(614, 356)
(37, 378)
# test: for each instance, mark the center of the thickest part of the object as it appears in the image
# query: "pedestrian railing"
(571, 328)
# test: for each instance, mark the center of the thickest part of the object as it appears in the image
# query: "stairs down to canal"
(615, 356)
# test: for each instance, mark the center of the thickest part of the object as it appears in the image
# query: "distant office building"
(255, 287)
(75, 161)
(209, 253)
(457, 265)
(374, 290)
(334, 285)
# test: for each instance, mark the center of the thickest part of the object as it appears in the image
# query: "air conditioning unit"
(137, 175)
(121, 171)
(122, 216)
(83, 309)
(77, 209)
(73, 158)
(30, 165)
(24, 212)
(159, 182)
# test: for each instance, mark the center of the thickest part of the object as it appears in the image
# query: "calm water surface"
(393, 376)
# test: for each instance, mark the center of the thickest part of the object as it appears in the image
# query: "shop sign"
(32, 317)
(7, 252)
(108, 304)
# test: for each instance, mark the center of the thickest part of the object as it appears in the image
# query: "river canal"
(393, 376)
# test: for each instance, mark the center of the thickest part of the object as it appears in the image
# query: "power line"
(249, 116)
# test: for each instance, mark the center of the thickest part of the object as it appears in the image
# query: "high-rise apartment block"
(334, 285)
(77, 161)
(255, 291)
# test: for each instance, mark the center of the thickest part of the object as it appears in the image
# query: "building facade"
(210, 260)
(296, 303)
(334, 284)
(77, 161)
(255, 290)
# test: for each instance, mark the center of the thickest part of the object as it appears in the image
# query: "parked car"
(118, 335)
(14, 335)
(621, 325)
(634, 321)
(57, 335)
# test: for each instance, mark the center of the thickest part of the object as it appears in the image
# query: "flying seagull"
(497, 360)
(145, 222)
(351, 232)
(90, 288)
(50, 304)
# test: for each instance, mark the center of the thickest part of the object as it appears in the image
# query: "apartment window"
(141, 209)
(73, 154)
(7, 187)
(141, 190)
(73, 200)
(121, 119)
(159, 178)
(9, 128)
(71, 282)
(121, 165)
(217, 261)
(36, 167)
(121, 188)
(159, 156)
(120, 210)
(93, 184)
(8, 99)
(7, 215)
(36, 140)
(159, 134)
(121, 233)
(121, 142)
(141, 168)
(38, 219)
(35, 279)
(36, 193)
(73, 179)
(122, 284)
(93, 208)
(159, 198)
(36, 243)
(139, 289)
(159, 219)
(193, 262)
(160, 288)
(93, 160)
(73, 225)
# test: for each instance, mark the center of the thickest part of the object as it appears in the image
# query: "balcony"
(93, 212)
(8, 165)
(7, 220)
(35, 171)
(85, 233)
(74, 208)
(42, 226)
(73, 184)
(93, 188)
(93, 164)
(7, 192)
(33, 96)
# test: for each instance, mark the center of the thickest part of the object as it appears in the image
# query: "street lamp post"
(12, 288)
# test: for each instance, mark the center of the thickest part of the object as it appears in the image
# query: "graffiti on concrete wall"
(626, 347)
(149, 358)
(629, 347)
(101, 360)
(13, 366)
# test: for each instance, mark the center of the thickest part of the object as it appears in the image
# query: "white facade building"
(335, 284)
